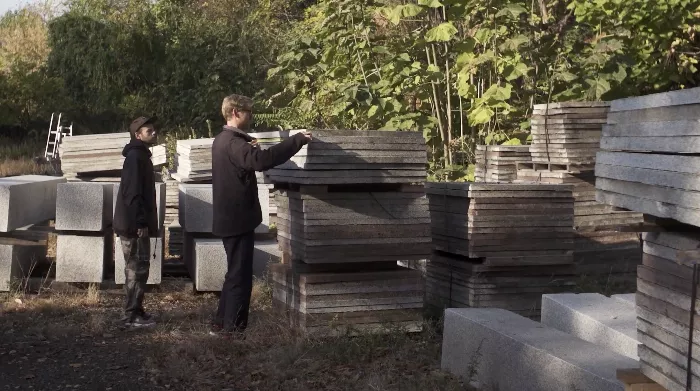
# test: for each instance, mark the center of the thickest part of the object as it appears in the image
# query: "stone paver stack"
(499, 245)
(99, 155)
(27, 203)
(566, 137)
(173, 230)
(351, 204)
(650, 164)
(498, 163)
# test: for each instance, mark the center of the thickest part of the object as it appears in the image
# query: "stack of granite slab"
(350, 206)
(99, 155)
(173, 230)
(664, 311)
(603, 243)
(498, 163)
(649, 164)
(567, 132)
(343, 157)
(203, 252)
(650, 161)
(499, 245)
(87, 250)
(27, 203)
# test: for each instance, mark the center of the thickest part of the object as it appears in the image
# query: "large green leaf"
(411, 10)
(512, 11)
(441, 33)
(430, 3)
(597, 87)
(480, 115)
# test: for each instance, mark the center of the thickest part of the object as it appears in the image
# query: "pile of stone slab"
(498, 163)
(650, 160)
(341, 157)
(499, 245)
(601, 247)
(99, 155)
(664, 292)
(173, 230)
(568, 132)
(495, 349)
(193, 160)
(27, 203)
(87, 250)
(203, 253)
(350, 206)
(608, 322)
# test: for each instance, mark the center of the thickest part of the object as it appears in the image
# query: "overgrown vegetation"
(464, 72)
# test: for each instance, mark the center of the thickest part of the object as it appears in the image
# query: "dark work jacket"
(135, 206)
(234, 162)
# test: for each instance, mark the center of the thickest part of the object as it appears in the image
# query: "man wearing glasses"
(237, 212)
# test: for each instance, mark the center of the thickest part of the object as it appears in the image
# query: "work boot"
(139, 321)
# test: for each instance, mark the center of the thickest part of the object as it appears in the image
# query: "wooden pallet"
(571, 167)
(634, 380)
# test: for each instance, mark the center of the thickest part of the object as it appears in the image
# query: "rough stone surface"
(160, 201)
(673, 98)
(196, 208)
(266, 253)
(26, 200)
(209, 266)
(595, 318)
(628, 298)
(156, 270)
(84, 206)
(511, 353)
(17, 258)
(83, 258)
(650, 176)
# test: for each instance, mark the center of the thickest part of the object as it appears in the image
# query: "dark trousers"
(137, 254)
(234, 303)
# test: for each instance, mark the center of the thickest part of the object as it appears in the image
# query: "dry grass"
(178, 354)
(12, 167)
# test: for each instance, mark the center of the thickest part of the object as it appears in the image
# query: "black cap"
(139, 122)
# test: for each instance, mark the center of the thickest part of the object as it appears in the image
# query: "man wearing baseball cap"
(136, 217)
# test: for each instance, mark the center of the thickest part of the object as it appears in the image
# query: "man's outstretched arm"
(251, 158)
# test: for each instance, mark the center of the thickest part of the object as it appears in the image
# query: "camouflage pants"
(137, 257)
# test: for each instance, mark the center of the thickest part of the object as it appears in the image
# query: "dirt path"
(73, 342)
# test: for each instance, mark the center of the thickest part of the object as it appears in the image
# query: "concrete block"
(595, 318)
(264, 197)
(156, 270)
(209, 267)
(26, 200)
(84, 206)
(508, 352)
(160, 202)
(17, 259)
(83, 258)
(627, 298)
(196, 208)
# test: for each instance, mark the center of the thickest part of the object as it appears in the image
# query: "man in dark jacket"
(237, 212)
(136, 218)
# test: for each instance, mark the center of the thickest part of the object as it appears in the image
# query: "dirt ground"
(60, 341)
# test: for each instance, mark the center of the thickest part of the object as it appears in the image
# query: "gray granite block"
(685, 144)
(264, 197)
(209, 267)
(156, 261)
(266, 252)
(675, 163)
(595, 318)
(656, 208)
(84, 206)
(26, 200)
(160, 201)
(17, 260)
(648, 176)
(653, 129)
(627, 298)
(83, 258)
(196, 208)
(674, 98)
(508, 352)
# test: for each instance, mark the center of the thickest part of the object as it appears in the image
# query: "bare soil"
(58, 341)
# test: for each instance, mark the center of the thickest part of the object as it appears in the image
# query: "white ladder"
(51, 151)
